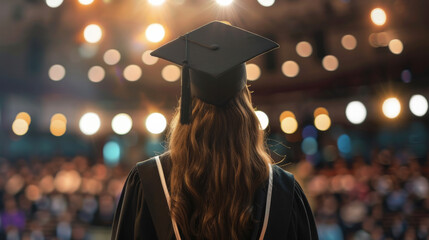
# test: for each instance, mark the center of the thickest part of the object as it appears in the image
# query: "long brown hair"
(218, 162)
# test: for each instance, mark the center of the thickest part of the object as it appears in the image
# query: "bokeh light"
(320, 110)
(309, 131)
(92, 33)
(263, 119)
(330, 63)
(58, 124)
(304, 49)
(286, 114)
(14, 184)
(32, 192)
(224, 2)
(344, 144)
(396, 46)
(19, 127)
(156, 2)
(132, 73)
(86, 2)
(89, 123)
(54, 3)
(406, 76)
(349, 42)
(24, 116)
(266, 3)
(56, 72)
(111, 153)
(391, 107)
(156, 123)
(289, 125)
(171, 73)
(122, 123)
(418, 105)
(290, 69)
(96, 74)
(112, 57)
(309, 146)
(378, 16)
(322, 122)
(148, 59)
(155, 32)
(356, 112)
(67, 181)
(253, 72)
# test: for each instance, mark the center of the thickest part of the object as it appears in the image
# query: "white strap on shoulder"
(167, 195)
(267, 204)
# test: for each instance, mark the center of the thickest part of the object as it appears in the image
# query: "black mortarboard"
(213, 62)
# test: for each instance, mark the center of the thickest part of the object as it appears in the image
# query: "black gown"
(142, 211)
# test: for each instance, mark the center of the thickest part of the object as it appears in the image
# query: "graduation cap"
(213, 62)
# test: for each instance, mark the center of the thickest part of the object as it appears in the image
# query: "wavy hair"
(218, 162)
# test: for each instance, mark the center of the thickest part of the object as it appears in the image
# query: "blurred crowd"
(385, 197)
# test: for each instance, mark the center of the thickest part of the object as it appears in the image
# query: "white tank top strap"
(167, 197)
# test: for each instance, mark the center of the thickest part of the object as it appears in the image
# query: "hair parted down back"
(218, 162)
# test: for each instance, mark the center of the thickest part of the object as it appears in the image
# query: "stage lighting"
(89, 123)
(304, 49)
(171, 73)
(266, 3)
(86, 2)
(122, 123)
(148, 59)
(263, 119)
(289, 125)
(92, 33)
(155, 32)
(156, 123)
(418, 105)
(132, 73)
(224, 2)
(253, 72)
(396, 46)
(96, 74)
(19, 127)
(356, 112)
(378, 16)
(391, 107)
(56, 72)
(330, 63)
(322, 122)
(349, 42)
(156, 2)
(24, 116)
(54, 3)
(112, 57)
(290, 69)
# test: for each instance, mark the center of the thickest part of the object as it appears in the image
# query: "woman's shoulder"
(282, 175)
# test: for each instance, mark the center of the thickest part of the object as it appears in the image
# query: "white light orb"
(19, 127)
(89, 123)
(122, 123)
(253, 72)
(322, 122)
(149, 59)
(156, 123)
(224, 2)
(349, 42)
(155, 32)
(86, 2)
(57, 72)
(263, 119)
(171, 73)
(289, 125)
(92, 33)
(330, 63)
(378, 16)
(418, 105)
(112, 57)
(304, 49)
(290, 69)
(96, 74)
(356, 112)
(396, 46)
(266, 3)
(156, 2)
(132, 73)
(391, 107)
(54, 3)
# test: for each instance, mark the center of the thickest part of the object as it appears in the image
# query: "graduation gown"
(142, 211)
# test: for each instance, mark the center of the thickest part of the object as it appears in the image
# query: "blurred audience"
(385, 197)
